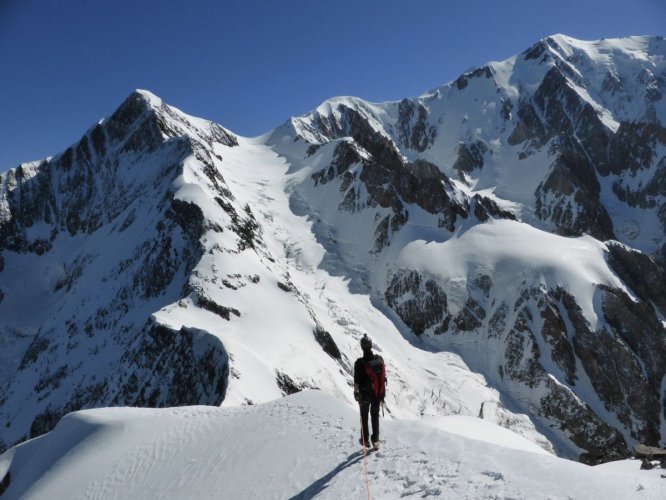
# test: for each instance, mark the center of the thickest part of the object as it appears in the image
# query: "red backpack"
(377, 374)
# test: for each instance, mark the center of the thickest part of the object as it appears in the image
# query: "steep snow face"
(481, 216)
(301, 446)
(302, 328)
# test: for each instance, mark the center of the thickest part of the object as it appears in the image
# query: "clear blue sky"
(250, 64)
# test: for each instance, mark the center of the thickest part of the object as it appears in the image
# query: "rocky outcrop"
(633, 148)
(560, 404)
(327, 343)
(420, 302)
(394, 186)
(463, 80)
(414, 130)
(470, 156)
(351, 123)
(162, 368)
(570, 198)
(82, 188)
(166, 367)
(644, 276)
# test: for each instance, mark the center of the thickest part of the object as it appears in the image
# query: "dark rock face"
(570, 195)
(576, 207)
(554, 332)
(426, 306)
(536, 51)
(185, 367)
(577, 420)
(470, 317)
(287, 384)
(641, 330)
(640, 272)
(290, 386)
(633, 147)
(353, 124)
(413, 128)
(470, 156)
(88, 189)
(484, 209)
(462, 81)
(393, 183)
(585, 149)
(163, 368)
(391, 186)
(583, 427)
(612, 367)
(327, 343)
(212, 306)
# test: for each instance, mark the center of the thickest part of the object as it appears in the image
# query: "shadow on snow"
(322, 483)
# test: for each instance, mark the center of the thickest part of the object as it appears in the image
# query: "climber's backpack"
(377, 374)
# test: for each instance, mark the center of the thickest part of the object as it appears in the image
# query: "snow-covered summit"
(153, 100)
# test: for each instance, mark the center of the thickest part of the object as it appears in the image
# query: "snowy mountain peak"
(151, 98)
(640, 47)
(144, 109)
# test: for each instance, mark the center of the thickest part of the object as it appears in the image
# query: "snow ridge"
(194, 451)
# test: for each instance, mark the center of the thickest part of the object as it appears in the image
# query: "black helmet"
(366, 343)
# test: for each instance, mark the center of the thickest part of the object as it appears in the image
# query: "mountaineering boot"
(365, 445)
(375, 445)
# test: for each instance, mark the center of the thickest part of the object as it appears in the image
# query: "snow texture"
(301, 446)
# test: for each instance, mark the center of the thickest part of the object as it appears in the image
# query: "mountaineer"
(369, 390)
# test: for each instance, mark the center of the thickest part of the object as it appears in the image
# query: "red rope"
(365, 464)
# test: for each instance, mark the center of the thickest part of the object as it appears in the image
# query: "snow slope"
(273, 331)
(301, 446)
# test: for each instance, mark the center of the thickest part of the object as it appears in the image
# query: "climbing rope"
(365, 464)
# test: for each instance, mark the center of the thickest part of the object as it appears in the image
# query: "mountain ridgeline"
(515, 218)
